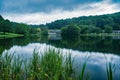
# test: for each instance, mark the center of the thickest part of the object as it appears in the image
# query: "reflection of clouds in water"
(95, 57)
(96, 64)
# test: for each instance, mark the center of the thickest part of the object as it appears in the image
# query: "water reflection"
(80, 43)
(54, 37)
(91, 43)
(96, 65)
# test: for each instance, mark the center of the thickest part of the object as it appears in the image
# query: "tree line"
(7, 26)
(90, 24)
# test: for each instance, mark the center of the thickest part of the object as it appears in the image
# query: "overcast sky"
(45, 11)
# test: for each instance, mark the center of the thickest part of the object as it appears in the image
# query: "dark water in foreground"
(96, 47)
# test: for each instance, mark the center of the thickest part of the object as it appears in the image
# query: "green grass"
(9, 35)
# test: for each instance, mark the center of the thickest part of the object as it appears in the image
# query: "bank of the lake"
(10, 35)
(100, 34)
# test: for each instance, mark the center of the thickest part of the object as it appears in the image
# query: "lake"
(99, 50)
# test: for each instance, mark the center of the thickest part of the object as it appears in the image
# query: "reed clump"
(51, 65)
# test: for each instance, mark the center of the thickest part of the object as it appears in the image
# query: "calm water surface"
(97, 48)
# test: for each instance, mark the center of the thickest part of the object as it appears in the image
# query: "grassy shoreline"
(10, 35)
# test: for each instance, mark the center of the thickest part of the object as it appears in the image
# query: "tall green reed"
(17, 71)
(82, 75)
(110, 69)
(5, 68)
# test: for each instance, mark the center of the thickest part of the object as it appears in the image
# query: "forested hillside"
(7, 26)
(100, 21)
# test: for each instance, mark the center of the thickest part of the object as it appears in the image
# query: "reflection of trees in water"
(56, 43)
(9, 42)
(106, 45)
(14, 41)
(83, 43)
(44, 39)
(89, 40)
(108, 41)
(101, 45)
(71, 41)
(89, 43)
(116, 46)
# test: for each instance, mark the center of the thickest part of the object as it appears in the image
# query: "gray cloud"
(31, 6)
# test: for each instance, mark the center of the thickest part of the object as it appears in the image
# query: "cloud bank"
(86, 9)
(31, 6)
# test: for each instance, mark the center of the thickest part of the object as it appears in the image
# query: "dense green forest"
(7, 26)
(91, 24)
(112, 20)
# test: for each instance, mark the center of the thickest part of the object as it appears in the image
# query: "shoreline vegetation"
(13, 35)
(51, 65)
(100, 34)
(10, 35)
